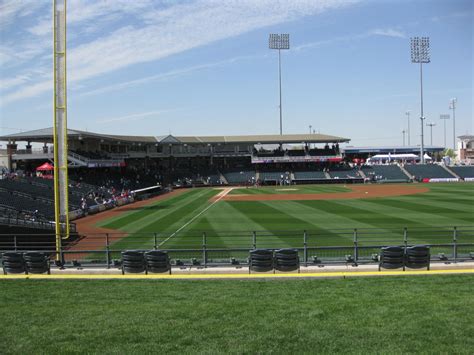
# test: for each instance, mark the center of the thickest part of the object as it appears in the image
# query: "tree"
(448, 152)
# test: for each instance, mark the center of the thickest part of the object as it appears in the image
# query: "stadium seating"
(273, 176)
(241, 177)
(345, 174)
(309, 175)
(385, 172)
(463, 171)
(428, 171)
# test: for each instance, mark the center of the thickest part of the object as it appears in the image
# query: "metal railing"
(315, 247)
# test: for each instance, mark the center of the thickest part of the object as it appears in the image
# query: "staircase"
(450, 171)
(362, 174)
(327, 175)
(222, 177)
(405, 171)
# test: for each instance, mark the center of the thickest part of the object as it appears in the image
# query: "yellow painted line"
(235, 276)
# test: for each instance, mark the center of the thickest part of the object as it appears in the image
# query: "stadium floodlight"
(279, 41)
(431, 125)
(444, 118)
(420, 53)
(452, 106)
(407, 113)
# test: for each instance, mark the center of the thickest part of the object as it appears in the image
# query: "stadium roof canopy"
(392, 150)
(46, 135)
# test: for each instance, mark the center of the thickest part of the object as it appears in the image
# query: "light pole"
(310, 129)
(444, 118)
(408, 127)
(279, 41)
(403, 132)
(452, 106)
(431, 125)
(420, 53)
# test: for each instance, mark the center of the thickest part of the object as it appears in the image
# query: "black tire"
(134, 270)
(287, 268)
(391, 265)
(261, 257)
(287, 262)
(132, 258)
(14, 270)
(156, 258)
(159, 270)
(38, 270)
(13, 264)
(133, 264)
(260, 269)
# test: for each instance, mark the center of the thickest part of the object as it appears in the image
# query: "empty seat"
(287, 260)
(133, 261)
(417, 257)
(13, 263)
(36, 263)
(392, 258)
(261, 260)
(157, 261)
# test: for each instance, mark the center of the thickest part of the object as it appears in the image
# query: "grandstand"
(428, 171)
(464, 172)
(389, 173)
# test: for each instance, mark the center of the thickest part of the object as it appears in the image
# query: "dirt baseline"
(357, 191)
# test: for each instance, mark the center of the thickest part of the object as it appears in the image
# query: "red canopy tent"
(45, 167)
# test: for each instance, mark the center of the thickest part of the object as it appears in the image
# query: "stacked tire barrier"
(287, 260)
(13, 263)
(28, 263)
(261, 260)
(417, 257)
(36, 263)
(133, 261)
(392, 258)
(414, 257)
(157, 261)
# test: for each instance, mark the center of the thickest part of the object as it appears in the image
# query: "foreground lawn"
(428, 314)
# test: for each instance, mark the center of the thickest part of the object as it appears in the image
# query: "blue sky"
(203, 67)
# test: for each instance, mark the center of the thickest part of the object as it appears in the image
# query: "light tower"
(444, 118)
(407, 113)
(279, 41)
(61, 200)
(403, 132)
(431, 125)
(420, 53)
(452, 106)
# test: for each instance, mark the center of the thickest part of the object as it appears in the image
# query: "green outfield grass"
(294, 189)
(394, 315)
(428, 216)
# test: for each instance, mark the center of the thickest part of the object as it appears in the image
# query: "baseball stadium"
(250, 243)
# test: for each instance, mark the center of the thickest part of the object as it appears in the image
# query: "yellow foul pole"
(61, 200)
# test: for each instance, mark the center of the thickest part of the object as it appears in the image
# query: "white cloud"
(162, 76)
(163, 32)
(388, 32)
(134, 117)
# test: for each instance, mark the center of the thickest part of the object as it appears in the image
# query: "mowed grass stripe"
(461, 213)
(236, 227)
(165, 222)
(373, 226)
(129, 217)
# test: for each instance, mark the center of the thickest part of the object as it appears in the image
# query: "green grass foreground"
(424, 314)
